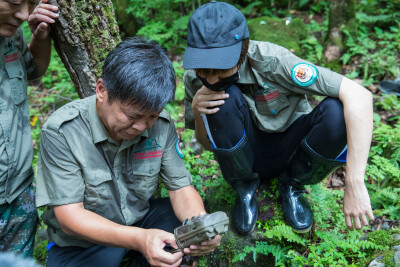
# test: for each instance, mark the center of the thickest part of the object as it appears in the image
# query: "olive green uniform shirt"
(16, 153)
(269, 83)
(79, 162)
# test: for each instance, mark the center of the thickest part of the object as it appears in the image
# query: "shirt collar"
(246, 74)
(99, 132)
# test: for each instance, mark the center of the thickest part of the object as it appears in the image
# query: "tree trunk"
(85, 32)
(341, 14)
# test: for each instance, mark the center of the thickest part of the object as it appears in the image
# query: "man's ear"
(101, 90)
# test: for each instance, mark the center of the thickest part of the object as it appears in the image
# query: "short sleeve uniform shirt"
(16, 68)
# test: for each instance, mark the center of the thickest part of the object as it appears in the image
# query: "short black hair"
(138, 71)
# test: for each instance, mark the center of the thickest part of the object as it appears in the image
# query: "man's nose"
(140, 125)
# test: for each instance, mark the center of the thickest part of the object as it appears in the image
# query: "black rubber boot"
(305, 167)
(237, 168)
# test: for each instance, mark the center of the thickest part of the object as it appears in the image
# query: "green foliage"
(284, 232)
(40, 252)
(281, 34)
(335, 249)
(163, 21)
(311, 46)
(383, 172)
(264, 248)
(374, 48)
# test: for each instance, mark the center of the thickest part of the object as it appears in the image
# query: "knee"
(333, 120)
(231, 109)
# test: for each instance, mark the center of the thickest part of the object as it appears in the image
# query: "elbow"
(67, 230)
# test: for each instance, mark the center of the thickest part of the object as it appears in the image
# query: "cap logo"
(304, 74)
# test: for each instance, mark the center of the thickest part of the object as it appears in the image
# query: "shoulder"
(165, 116)
(260, 49)
(65, 114)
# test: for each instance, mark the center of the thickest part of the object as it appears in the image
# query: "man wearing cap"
(18, 64)
(100, 162)
(247, 102)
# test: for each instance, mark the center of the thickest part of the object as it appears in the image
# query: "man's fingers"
(45, 6)
(356, 221)
(370, 215)
(215, 103)
(364, 220)
(208, 111)
(172, 259)
(38, 18)
(349, 223)
(205, 247)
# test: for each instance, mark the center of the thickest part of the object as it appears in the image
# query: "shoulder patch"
(178, 148)
(304, 74)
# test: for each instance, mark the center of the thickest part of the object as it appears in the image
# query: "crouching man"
(100, 162)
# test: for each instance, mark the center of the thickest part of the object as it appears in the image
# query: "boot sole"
(303, 231)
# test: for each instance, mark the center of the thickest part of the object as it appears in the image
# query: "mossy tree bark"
(84, 33)
(341, 14)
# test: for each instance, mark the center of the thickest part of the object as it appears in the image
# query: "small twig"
(380, 224)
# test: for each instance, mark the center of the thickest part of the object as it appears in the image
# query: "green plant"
(264, 248)
(383, 171)
(163, 21)
(374, 49)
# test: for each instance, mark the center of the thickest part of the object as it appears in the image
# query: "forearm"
(41, 52)
(186, 203)
(358, 113)
(75, 220)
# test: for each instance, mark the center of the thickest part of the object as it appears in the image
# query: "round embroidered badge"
(304, 74)
(178, 148)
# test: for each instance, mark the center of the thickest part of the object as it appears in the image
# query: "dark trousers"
(324, 129)
(160, 216)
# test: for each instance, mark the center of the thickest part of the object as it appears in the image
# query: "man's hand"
(357, 205)
(43, 15)
(153, 245)
(206, 101)
(204, 247)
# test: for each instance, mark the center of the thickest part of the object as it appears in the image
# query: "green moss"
(383, 238)
(274, 30)
(96, 27)
(40, 252)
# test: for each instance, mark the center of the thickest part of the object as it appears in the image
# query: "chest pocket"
(17, 81)
(144, 180)
(270, 101)
(97, 192)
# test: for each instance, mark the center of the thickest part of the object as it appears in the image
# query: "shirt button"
(151, 171)
(273, 111)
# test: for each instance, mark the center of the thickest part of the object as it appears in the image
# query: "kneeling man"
(100, 162)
